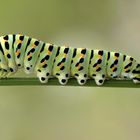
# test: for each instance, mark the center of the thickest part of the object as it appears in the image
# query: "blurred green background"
(72, 113)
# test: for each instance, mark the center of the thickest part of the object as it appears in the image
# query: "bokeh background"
(72, 113)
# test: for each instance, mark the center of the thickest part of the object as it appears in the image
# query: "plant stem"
(72, 82)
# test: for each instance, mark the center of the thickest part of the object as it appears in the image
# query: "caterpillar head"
(136, 74)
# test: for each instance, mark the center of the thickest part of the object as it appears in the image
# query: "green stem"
(72, 82)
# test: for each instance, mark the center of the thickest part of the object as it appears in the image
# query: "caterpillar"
(48, 60)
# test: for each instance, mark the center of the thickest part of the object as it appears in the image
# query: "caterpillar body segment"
(7, 47)
(80, 64)
(31, 55)
(63, 62)
(44, 64)
(114, 65)
(98, 66)
(129, 64)
(3, 63)
(20, 44)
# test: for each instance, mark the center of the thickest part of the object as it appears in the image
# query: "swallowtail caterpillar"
(47, 60)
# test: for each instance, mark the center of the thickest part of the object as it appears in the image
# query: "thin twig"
(72, 82)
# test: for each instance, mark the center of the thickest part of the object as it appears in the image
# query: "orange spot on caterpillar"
(62, 64)
(78, 67)
(126, 69)
(18, 41)
(100, 57)
(17, 52)
(97, 66)
(115, 57)
(82, 55)
(33, 46)
(28, 56)
(43, 63)
(65, 55)
(113, 68)
(49, 52)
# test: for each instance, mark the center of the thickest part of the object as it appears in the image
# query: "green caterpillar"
(47, 60)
